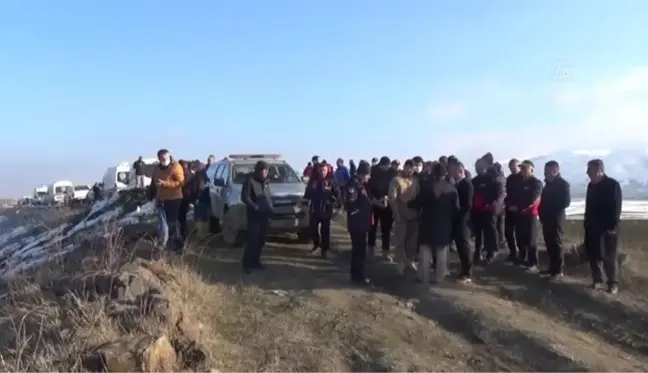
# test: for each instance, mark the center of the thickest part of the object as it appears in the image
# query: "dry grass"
(298, 316)
(239, 327)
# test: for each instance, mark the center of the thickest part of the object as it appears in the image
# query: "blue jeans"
(167, 213)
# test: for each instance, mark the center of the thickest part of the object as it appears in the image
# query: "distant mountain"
(628, 165)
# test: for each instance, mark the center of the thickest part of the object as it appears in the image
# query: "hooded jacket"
(403, 189)
(173, 178)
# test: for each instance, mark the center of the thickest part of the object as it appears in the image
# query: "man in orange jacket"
(166, 189)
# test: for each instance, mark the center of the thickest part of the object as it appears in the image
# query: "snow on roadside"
(33, 250)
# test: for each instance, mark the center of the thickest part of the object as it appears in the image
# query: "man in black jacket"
(510, 218)
(439, 204)
(603, 205)
(381, 177)
(526, 227)
(256, 197)
(488, 200)
(460, 225)
(555, 199)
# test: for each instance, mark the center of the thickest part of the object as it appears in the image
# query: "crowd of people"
(431, 206)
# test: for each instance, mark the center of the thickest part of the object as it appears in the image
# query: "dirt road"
(307, 316)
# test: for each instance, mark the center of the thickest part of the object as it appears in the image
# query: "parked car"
(226, 178)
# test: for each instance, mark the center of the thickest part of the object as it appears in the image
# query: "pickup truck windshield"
(278, 173)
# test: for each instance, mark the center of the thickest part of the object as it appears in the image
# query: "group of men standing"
(434, 205)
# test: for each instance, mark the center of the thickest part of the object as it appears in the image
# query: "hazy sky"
(87, 84)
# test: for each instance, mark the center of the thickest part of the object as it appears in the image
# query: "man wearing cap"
(381, 177)
(403, 189)
(255, 194)
(359, 212)
(526, 228)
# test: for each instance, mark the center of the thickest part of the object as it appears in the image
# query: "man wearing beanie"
(359, 211)
(381, 177)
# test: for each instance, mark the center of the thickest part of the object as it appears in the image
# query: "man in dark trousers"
(138, 166)
(526, 227)
(496, 169)
(381, 177)
(556, 197)
(323, 194)
(488, 200)
(438, 204)
(510, 218)
(255, 194)
(359, 212)
(602, 216)
(460, 225)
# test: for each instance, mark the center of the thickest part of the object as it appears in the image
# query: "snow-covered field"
(631, 210)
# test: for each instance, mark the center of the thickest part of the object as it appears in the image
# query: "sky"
(85, 85)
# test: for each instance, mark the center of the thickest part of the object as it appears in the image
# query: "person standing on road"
(352, 169)
(323, 194)
(526, 228)
(461, 226)
(555, 199)
(381, 177)
(513, 182)
(438, 203)
(603, 204)
(255, 194)
(202, 209)
(138, 166)
(488, 199)
(342, 175)
(496, 169)
(359, 213)
(166, 188)
(403, 188)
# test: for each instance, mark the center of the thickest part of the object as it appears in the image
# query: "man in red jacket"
(527, 201)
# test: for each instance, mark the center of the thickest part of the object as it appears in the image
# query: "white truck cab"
(57, 191)
(39, 194)
(122, 176)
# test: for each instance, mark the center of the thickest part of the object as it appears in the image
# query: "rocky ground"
(114, 303)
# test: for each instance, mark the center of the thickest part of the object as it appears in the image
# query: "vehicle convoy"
(226, 178)
(122, 175)
(76, 195)
(39, 194)
(57, 191)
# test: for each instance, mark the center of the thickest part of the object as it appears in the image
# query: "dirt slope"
(302, 314)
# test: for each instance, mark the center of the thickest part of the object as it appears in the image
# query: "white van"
(39, 194)
(56, 191)
(122, 176)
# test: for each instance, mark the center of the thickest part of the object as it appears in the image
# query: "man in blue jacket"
(358, 203)
(342, 175)
(323, 195)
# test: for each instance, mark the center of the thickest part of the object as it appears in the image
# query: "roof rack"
(254, 156)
